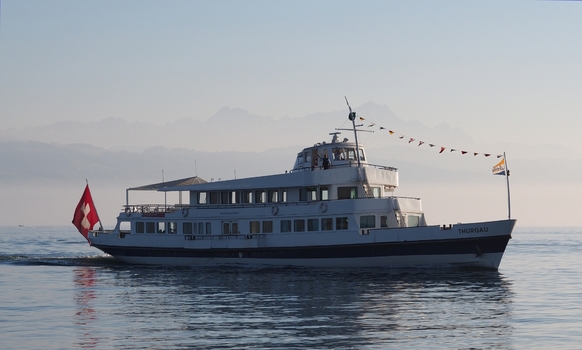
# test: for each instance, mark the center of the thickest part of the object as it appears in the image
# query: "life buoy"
(274, 210)
(323, 207)
(185, 212)
(128, 211)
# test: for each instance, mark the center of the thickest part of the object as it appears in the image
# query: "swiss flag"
(85, 216)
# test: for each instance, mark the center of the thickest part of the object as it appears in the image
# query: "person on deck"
(326, 162)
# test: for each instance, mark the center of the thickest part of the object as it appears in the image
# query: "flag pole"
(95, 208)
(508, 193)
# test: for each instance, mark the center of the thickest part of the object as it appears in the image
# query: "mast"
(352, 117)
(507, 181)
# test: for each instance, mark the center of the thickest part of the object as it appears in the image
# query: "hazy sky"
(501, 70)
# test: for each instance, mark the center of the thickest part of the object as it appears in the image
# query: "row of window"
(300, 225)
(236, 197)
(278, 195)
(188, 228)
(266, 226)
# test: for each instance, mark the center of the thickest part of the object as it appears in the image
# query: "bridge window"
(150, 227)
(172, 227)
(139, 227)
(161, 227)
(187, 228)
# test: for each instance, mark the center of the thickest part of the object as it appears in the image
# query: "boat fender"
(185, 212)
(323, 207)
(127, 211)
(274, 210)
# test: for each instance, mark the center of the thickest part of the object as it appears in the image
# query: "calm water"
(56, 292)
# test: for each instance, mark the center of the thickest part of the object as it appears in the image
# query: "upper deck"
(323, 155)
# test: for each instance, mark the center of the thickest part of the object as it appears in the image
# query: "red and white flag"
(85, 216)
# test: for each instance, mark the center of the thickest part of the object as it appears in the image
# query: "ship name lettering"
(473, 230)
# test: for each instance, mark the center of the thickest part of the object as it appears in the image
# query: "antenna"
(352, 117)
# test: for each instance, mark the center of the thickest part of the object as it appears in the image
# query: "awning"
(175, 183)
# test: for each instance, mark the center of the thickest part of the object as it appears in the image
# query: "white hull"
(462, 245)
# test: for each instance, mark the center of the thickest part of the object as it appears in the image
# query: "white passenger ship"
(334, 209)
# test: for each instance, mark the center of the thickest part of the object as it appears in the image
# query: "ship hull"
(463, 245)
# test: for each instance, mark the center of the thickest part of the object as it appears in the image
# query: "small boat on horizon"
(334, 209)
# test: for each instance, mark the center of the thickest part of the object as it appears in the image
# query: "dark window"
(187, 228)
(267, 227)
(298, 225)
(312, 224)
(224, 197)
(273, 196)
(347, 192)
(303, 194)
(285, 225)
(327, 224)
(150, 227)
(367, 221)
(139, 227)
(255, 227)
(341, 223)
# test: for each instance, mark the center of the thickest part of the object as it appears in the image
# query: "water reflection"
(85, 316)
(302, 308)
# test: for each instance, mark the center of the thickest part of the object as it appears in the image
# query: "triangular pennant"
(442, 149)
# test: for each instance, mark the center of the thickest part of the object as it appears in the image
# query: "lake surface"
(56, 292)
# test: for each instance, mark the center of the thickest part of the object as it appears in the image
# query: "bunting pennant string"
(431, 145)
